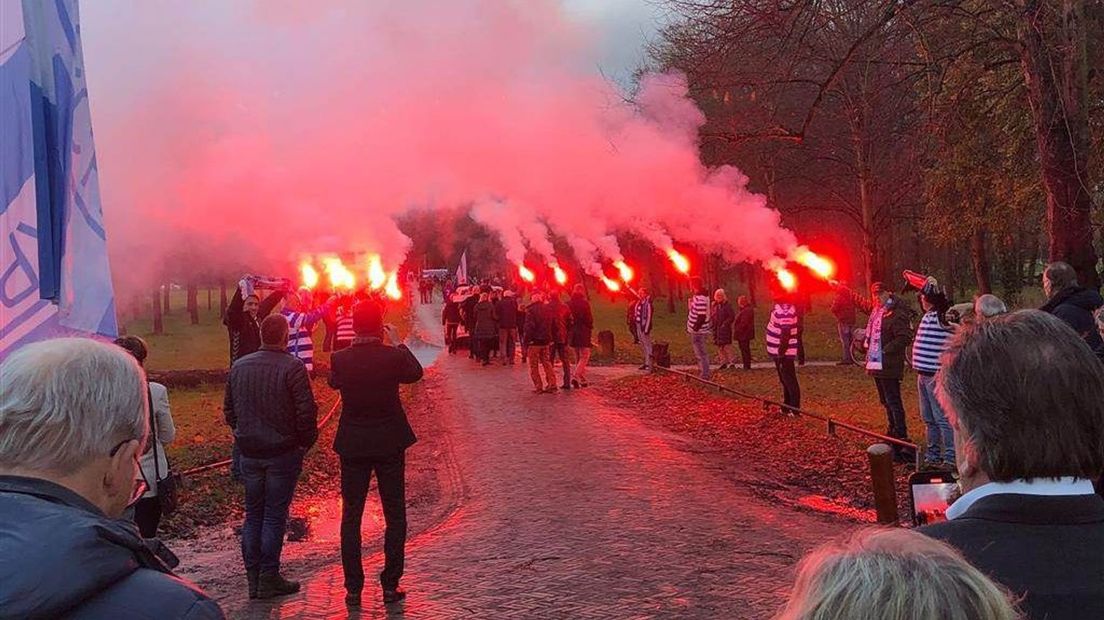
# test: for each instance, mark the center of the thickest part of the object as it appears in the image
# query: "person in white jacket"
(147, 511)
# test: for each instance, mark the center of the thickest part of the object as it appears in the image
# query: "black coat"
(1075, 306)
(243, 329)
(722, 320)
(582, 322)
(270, 405)
(559, 320)
(451, 312)
(373, 422)
(743, 327)
(538, 325)
(1048, 549)
(896, 337)
(486, 320)
(507, 309)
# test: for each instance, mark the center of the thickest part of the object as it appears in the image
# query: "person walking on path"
(538, 338)
(372, 436)
(932, 338)
(698, 326)
(644, 312)
(783, 336)
(153, 467)
(843, 308)
(560, 319)
(523, 345)
(73, 423)
(507, 310)
(1072, 303)
(486, 328)
(271, 409)
(630, 320)
(888, 335)
(467, 311)
(450, 318)
(743, 329)
(723, 317)
(582, 332)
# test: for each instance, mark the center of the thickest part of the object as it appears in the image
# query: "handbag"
(167, 487)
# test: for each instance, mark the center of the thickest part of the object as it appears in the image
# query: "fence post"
(605, 343)
(881, 477)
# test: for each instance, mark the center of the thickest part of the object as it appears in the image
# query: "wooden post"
(168, 294)
(222, 298)
(158, 324)
(605, 343)
(880, 456)
(208, 299)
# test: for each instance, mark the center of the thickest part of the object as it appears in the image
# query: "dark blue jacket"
(1075, 306)
(60, 557)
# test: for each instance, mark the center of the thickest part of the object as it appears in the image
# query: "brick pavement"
(573, 509)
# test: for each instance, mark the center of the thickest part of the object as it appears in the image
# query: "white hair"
(901, 574)
(68, 401)
(988, 306)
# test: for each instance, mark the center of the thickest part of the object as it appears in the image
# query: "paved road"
(573, 509)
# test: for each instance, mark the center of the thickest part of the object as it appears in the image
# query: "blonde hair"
(719, 295)
(901, 573)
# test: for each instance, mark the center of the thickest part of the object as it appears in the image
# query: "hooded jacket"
(1075, 306)
(60, 557)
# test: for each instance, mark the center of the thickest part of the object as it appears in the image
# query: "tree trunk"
(193, 302)
(1054, 61)
(158, 324)
(166, 296)
(980, 259)
(222, 298)
(208, 298)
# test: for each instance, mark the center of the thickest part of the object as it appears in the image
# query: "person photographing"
(372, 436)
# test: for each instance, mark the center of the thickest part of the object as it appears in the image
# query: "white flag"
(462, 270)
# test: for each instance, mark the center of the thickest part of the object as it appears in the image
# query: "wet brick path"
(572, 509)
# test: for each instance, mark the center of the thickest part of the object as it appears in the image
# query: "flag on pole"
(462, 270)
(54, 275)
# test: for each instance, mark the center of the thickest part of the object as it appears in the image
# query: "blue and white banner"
(54, 273)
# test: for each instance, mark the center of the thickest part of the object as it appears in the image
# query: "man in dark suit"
(1025, 396)
(373, 435)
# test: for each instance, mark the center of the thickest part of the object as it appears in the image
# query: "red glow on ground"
(679, 261)
(526, 273)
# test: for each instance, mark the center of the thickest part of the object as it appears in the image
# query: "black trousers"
(791, 389)
(745, 353)
(147, 514)
(356, 474)
(561, 351)
(889, 393)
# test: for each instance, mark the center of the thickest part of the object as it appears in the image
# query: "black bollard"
(881, 477)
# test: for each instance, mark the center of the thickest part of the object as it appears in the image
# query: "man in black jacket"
(1025, 397)
(1072, 303)
(373, 435)
(243, 317)
(270, 406)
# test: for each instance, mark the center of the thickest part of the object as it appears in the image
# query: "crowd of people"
(543, 332)
(1013, 402)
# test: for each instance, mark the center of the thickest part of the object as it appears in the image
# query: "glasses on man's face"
(140, 484)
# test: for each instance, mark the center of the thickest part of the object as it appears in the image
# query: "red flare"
(309, 274)
(611, 284)
(625, 271)
(681, 262)
(339, 275)
(392, 287)
(561, 275)
(786, 278)
(816, 263)
(377, 277)
(526, 273)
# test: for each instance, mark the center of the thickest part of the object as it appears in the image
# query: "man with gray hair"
(1025, 397)
(73, 422)
(988, 306)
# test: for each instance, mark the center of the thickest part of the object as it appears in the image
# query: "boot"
(251, 576)
(270, 585)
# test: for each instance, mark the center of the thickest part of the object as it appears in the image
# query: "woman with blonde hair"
(723, 317)
(893, 574)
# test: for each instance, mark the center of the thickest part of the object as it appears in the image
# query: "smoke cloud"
(254, 133)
